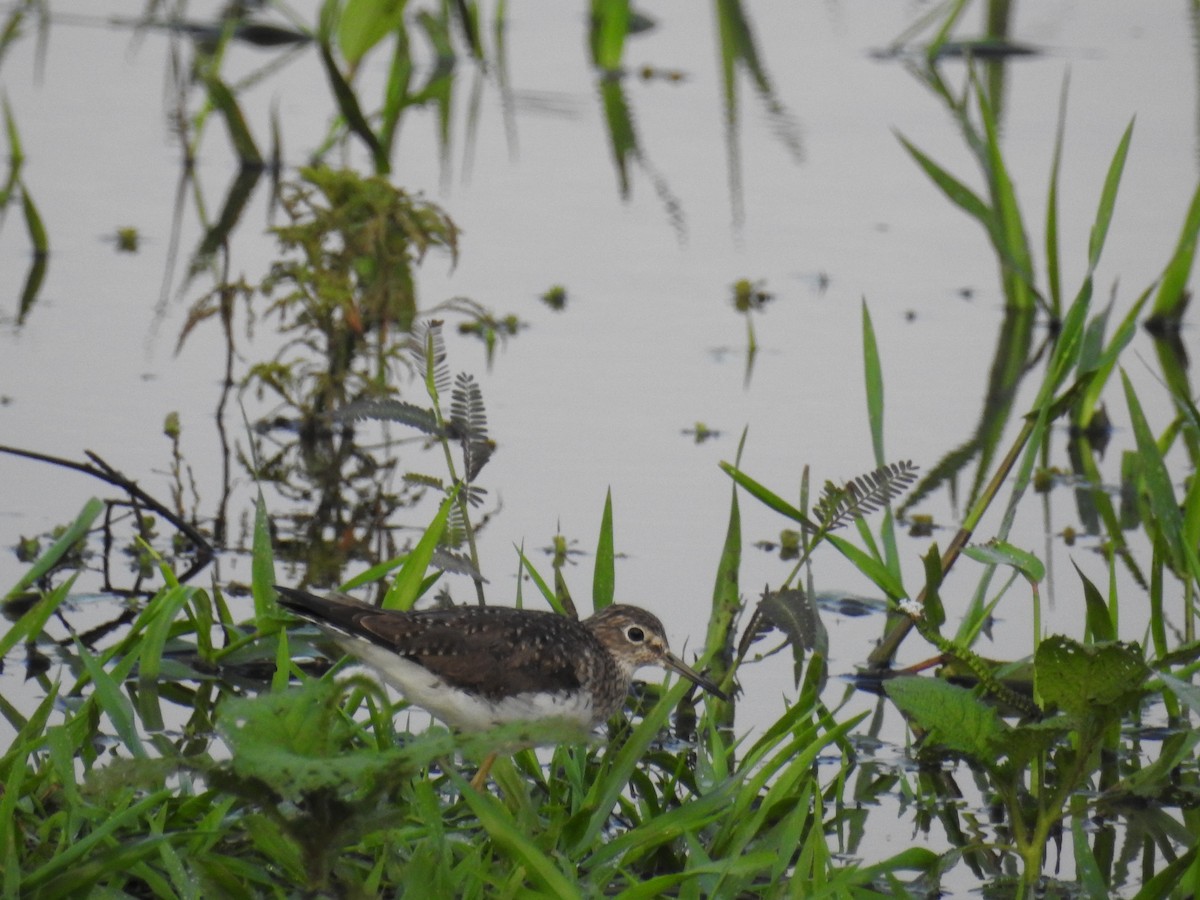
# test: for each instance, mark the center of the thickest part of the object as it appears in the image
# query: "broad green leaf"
(364, 23)
(957, 720)
(1088, 679)
(295, 742)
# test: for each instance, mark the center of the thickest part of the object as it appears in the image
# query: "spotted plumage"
(474, 667)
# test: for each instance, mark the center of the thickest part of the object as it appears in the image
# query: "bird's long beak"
(673, 662)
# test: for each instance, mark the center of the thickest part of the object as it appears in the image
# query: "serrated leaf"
(957, 720)
(794, 613)
(295, 742)
(391, 410)
(1084, 679)
(864, 494)
(1026, 741)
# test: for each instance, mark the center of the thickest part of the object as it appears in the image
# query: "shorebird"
(476, 667)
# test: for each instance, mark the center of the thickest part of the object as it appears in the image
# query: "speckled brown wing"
(489, 650)
(492, 651)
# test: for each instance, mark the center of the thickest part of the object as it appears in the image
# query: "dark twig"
(106, 473)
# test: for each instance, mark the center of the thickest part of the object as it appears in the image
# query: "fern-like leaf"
(455, 563)
(410, 414)
(862, 495)
(430, 356)
(468, 418)
(455, 533)
(429, 481)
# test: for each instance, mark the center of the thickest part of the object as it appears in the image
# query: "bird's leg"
(479, 782)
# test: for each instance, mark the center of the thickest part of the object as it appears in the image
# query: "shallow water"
(813, 197)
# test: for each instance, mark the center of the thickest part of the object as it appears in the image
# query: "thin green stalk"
(881, 657)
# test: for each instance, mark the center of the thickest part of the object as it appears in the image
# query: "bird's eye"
(635, 634)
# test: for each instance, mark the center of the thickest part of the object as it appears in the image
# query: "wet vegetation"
(202, 744)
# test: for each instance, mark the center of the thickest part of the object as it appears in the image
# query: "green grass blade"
(33, 286)
(1008, 232)
(1171, 296)
(16, 155)
(107, 694)
(1108, 199)
(70, 856)
(48, 560)
(239, 132)
(767, 497)
(30, 625)
(546, 590)
(1053, 269)
(957, 192)
(874, 379)
(1168, 520)
(164, 608)
(609, 28)
(604, 578)
(606, 791)
(9, 842)
(34, 226)
(262, 564)
(373, 574)
(884, 579)
(726, 603)
(407, 587)
(1100, 624)
(508, 834)
(351, 112)
(1104, 363)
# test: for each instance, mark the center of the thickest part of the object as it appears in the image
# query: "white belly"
(469, 712)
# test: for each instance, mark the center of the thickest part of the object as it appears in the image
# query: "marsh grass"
(210, 750)
(163, 769)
